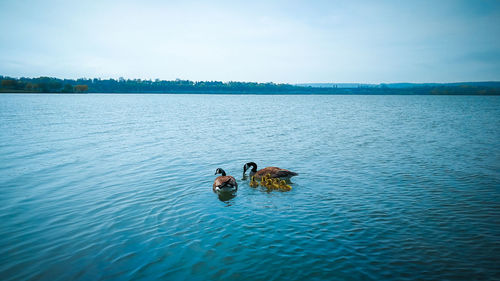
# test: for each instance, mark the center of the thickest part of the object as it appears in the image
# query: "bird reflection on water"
(226, 197)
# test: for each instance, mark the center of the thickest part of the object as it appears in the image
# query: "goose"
(263, 180)
(269, 184)
(284, 186)
(224, 183)
(275, 183)
(274, 172)
(253, 182)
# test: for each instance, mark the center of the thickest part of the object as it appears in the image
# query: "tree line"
(97, 85)
(42, 85)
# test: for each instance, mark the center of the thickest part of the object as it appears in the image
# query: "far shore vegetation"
(97, 85)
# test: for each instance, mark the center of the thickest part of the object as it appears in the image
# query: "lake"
(119, 186)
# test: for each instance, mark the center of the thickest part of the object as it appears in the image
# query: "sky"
(262, 41)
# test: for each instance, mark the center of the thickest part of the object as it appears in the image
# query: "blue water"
(106, 187)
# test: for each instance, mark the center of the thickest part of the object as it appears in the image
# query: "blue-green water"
(103, 187)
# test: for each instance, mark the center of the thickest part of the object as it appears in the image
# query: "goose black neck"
(254, 166)
(223, 173)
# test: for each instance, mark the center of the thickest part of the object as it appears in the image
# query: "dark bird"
(224, 183)
(273, 172)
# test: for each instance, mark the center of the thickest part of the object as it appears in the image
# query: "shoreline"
(252, 93)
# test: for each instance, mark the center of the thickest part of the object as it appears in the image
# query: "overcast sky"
(279, 41)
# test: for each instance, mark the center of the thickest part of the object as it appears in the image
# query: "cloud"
(281, 41)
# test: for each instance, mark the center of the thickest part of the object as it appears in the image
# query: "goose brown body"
(273, 172)
(224, 182)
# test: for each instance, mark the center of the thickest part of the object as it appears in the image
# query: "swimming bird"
(275, 183)
(264, 180)
(253, 182)
(224, 183)
(269, 184)
(274, 172)
(284, 186)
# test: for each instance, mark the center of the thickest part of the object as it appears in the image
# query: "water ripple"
(119, 187)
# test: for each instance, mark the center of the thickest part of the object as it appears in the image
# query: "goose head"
(220, 171)
(248, 165)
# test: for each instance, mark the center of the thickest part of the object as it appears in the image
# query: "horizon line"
(267, 82)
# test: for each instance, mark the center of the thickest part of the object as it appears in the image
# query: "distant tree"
(67, 88)
(29, 87)
(122, 85)
(81, 88)
(9, 83)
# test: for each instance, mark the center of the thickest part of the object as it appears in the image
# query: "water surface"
(102, 187)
